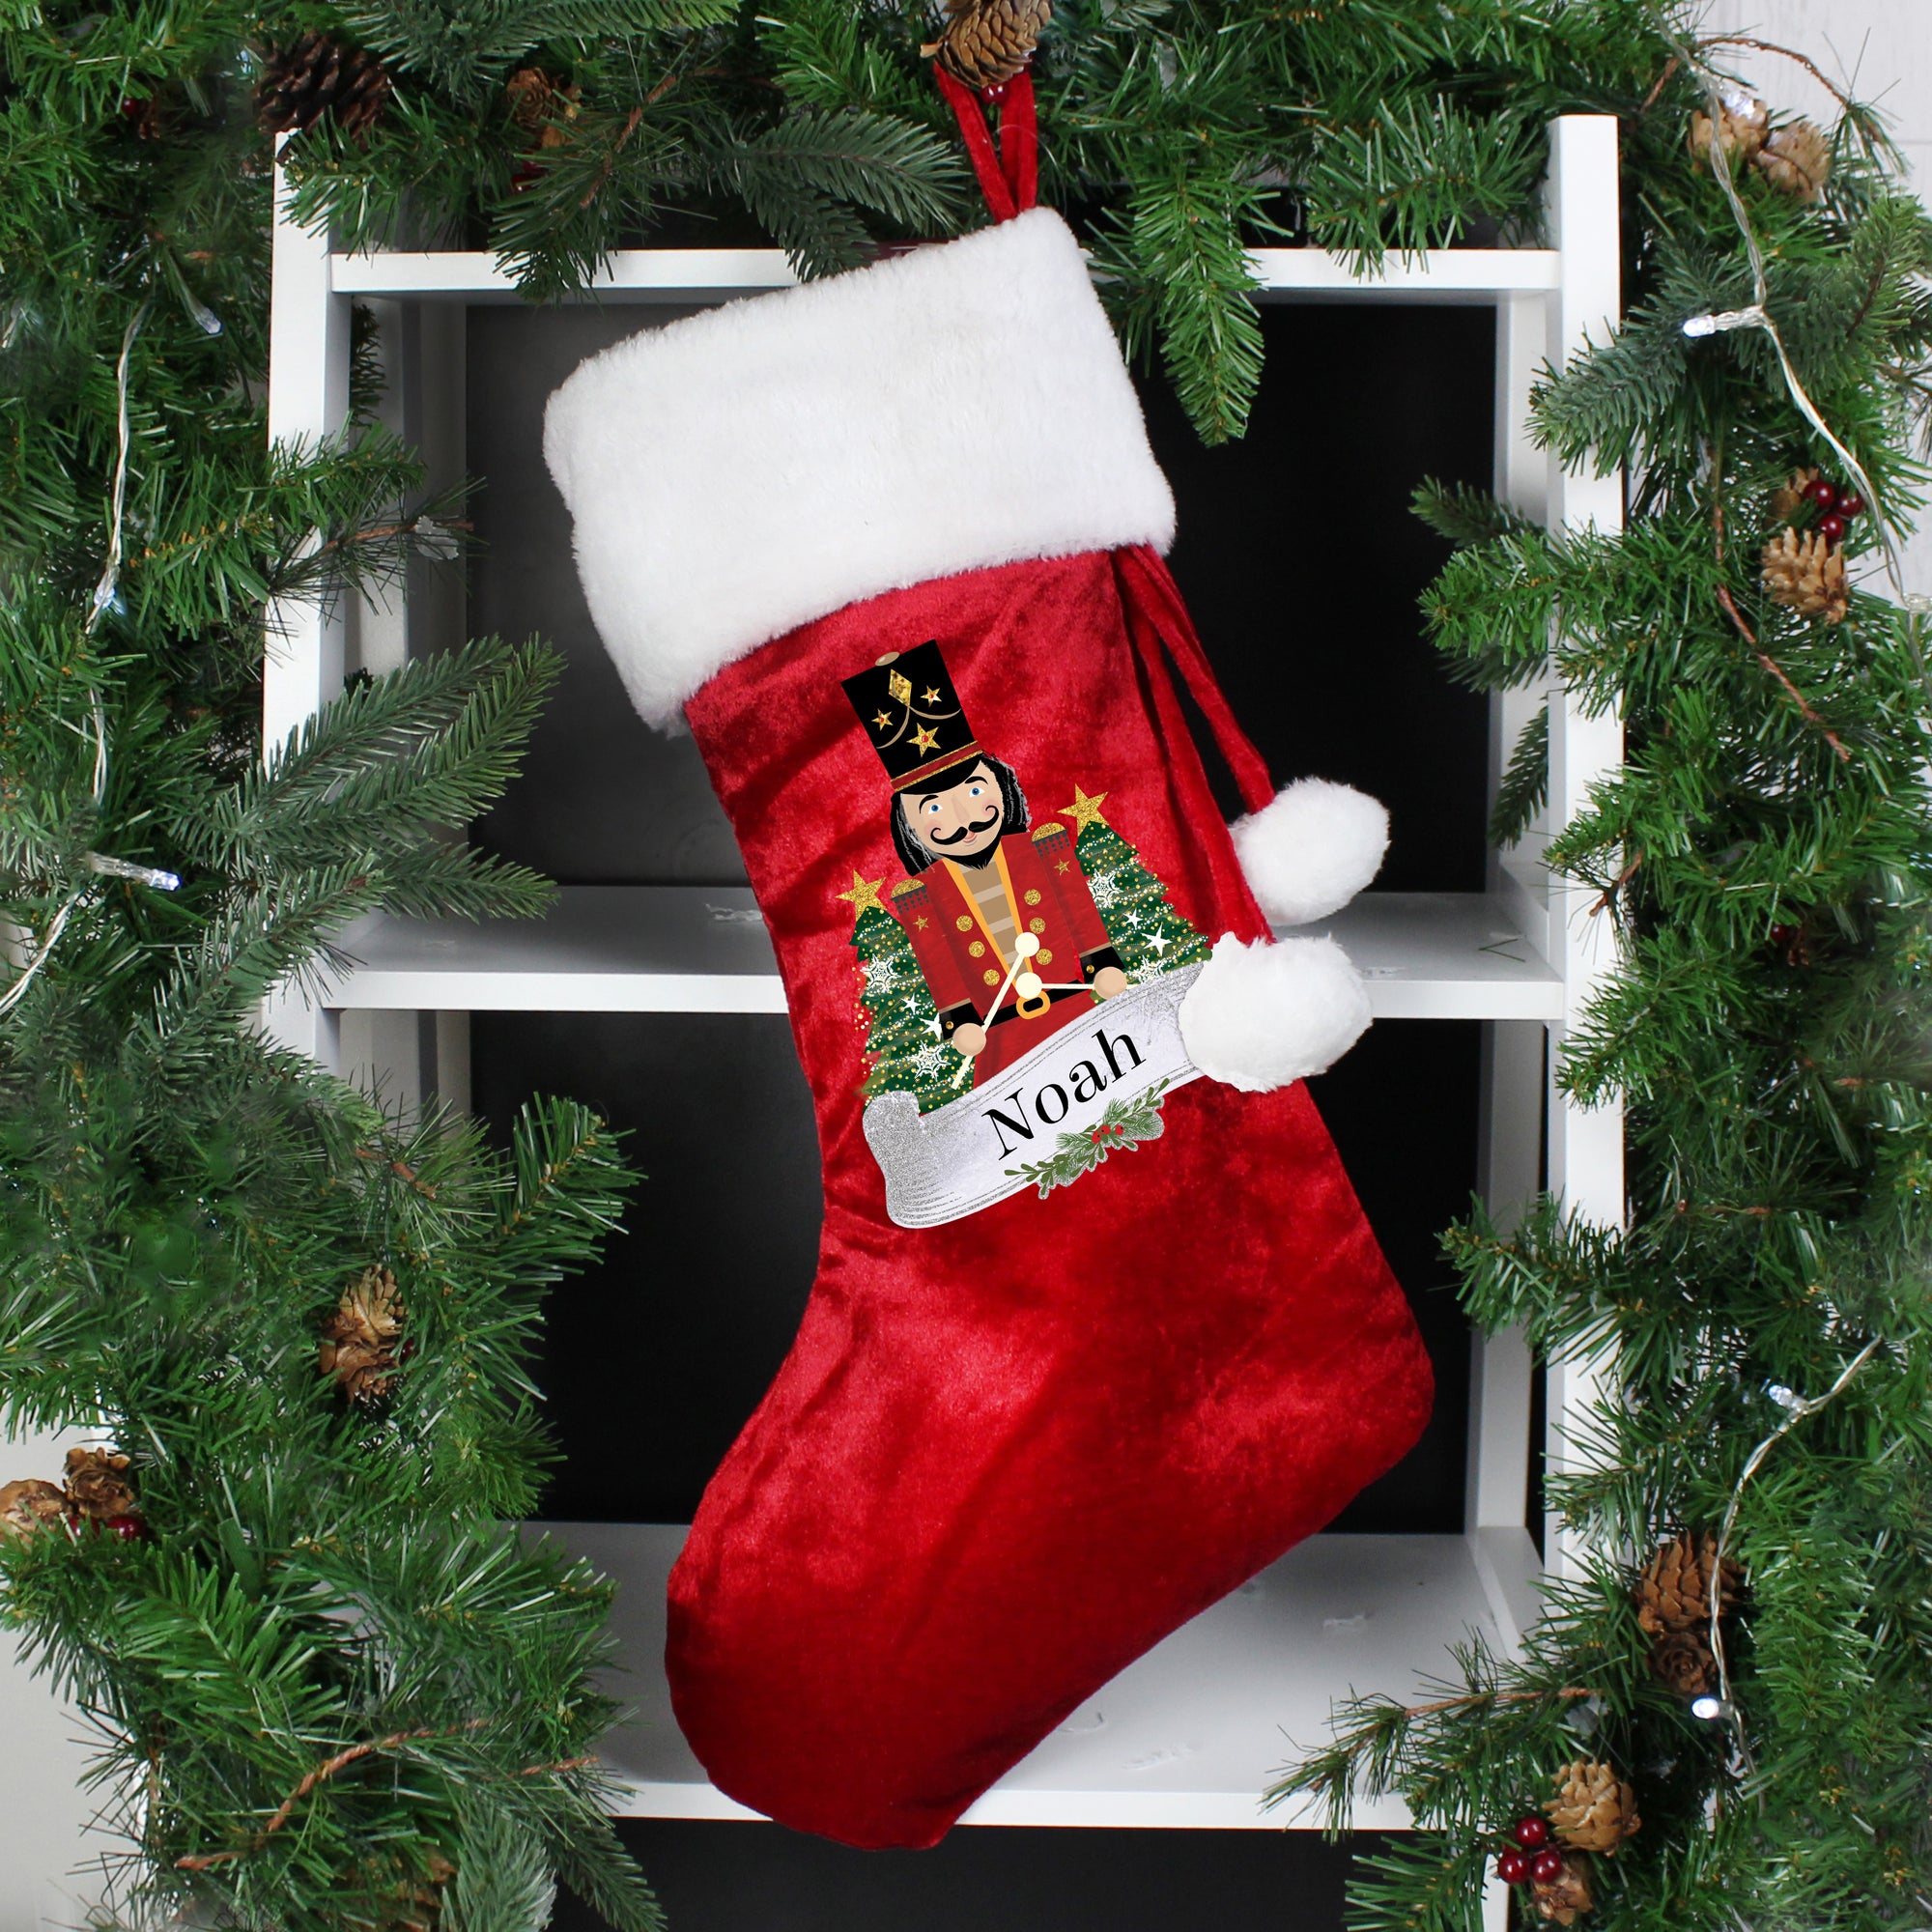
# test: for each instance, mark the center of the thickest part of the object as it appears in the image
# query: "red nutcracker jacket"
(1048, 897)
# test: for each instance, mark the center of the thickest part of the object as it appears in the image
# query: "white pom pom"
(1311, 849)
(1261, 1015)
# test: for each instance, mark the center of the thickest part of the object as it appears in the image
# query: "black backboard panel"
(761, 1878)
(1302, 562)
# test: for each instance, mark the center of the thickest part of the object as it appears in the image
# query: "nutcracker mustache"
(986, 824)
(914, 855)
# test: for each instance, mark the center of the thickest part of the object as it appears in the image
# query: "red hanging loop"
(1008, 174)
(1019, 140)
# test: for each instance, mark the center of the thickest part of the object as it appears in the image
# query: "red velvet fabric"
(1009, 1454)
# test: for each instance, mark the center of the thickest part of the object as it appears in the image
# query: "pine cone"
(536, 101)
(1593, 1809)
(1673, 1592)
(1797, 161)
(1743, 123)
(1788, 498)
(1683, 1662)
(388, 1895)
(987, 41)
(1565, 1898)
(1806, 574)
(359, 1340)
(29, 1505)
(148, 115)
(96, 1484)
(418, 1907)
(317, 76)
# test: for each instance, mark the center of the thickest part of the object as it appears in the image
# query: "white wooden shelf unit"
(1189, 1735)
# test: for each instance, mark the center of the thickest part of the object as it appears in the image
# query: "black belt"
(1012, 1012)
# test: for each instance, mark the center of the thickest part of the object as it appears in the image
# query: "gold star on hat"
(913, 716)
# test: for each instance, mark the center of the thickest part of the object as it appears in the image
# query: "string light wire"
(1797, 1407)
(1757, 315)
(106, 590)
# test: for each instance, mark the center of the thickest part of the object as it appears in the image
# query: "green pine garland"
(328, 1686)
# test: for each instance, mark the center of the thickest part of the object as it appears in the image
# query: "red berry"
(1831, 528)
(129, 1528)
(1531, 1833)
(994, 95)
(1546, 1867)
(1851, 504)
(1094, 1137)
(1824, 495)
(1512, 1867)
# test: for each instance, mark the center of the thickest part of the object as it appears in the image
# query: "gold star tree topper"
(863, 896)
(1083, 810)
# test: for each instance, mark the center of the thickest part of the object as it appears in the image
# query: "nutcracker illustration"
(999, 915)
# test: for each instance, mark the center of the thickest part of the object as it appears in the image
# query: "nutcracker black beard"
(916, 856)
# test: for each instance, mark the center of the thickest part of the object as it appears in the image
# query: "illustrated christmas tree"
(1151, 937)
(903, 1025)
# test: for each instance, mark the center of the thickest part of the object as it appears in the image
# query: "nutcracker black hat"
(912, 714)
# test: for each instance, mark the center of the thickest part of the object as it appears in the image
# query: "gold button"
(977, 949)
(991, 978)
(964, 922)
(1035, 926)
(1044, 956)
(1033, 899)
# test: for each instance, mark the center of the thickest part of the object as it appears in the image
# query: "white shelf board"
(1432, 275)
(715, 274)
(1185, 1738)
(600, 949)
(648, 274)
(703, 949)
(1442, 955)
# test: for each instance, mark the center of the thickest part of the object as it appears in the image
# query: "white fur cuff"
(1261, 1015)
(1311, 849)
(740, 472)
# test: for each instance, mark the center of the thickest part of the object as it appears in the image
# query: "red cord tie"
(1151, 587)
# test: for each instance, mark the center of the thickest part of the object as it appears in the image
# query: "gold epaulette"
(1049, 832)
(906, 886)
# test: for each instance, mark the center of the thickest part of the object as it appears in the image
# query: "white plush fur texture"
(1311, 849)
(1261, 1015)
(743, 472)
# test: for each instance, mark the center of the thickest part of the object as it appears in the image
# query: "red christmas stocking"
(1099, 1328)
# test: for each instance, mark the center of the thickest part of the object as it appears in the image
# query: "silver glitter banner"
(967, 1154)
